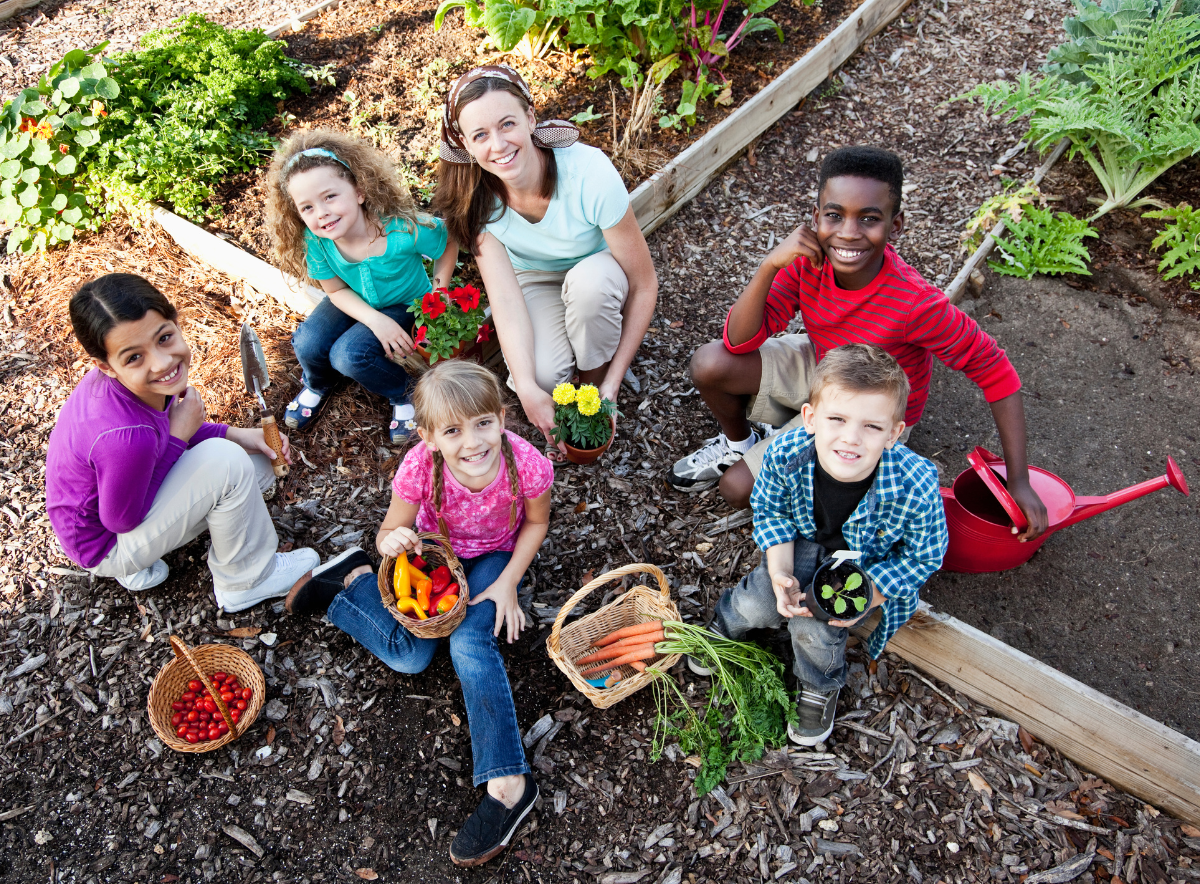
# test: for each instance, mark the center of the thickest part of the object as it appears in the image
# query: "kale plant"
(1182, 239)
(1040, 242)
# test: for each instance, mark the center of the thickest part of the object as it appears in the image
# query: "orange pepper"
(409, 606)
(446, 602)
(423, 595)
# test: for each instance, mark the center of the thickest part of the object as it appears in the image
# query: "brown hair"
(452, 391)
(470, 198)
(861, 368)
(374, 175)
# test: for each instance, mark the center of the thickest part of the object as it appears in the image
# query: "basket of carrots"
(426, 592)
(610, 653)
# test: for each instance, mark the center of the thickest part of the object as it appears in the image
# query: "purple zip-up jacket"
(109, 453)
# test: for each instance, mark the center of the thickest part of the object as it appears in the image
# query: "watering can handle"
(981, 461)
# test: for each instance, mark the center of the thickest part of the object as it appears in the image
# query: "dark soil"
(835, 579)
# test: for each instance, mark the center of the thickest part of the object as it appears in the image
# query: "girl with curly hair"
(339, 215)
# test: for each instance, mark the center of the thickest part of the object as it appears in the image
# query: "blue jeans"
(329, 345)
(495, 737)
(820, 649)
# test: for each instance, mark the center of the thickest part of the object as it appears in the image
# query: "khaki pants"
(788, 363)
(576, 316)
(216, 486)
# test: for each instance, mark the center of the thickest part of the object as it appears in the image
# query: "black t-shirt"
(833, 502)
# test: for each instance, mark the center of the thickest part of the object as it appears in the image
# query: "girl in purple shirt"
(133, 470)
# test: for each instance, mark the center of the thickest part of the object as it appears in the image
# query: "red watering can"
(980, 513)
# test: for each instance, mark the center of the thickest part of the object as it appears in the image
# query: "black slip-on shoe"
(313, 592)
(489, 829)
(817, 711)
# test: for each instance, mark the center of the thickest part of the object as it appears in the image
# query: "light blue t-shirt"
(395, 277)
(589, 199)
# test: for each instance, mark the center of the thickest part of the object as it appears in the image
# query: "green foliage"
(747, 681)
(194, 98)
(1095, 22)
(586, 116)
(1132, 114)
(1182, 239)
(47, 133)
(842, 593)
(1009, 204)
(1043, 243)
(447, 319)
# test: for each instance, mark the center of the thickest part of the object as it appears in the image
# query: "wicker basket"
(567, 644)
(200, 663)
(435, 549)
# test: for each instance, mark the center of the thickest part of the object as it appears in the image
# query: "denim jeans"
(329, 344)
(820, 649)
(495, 737)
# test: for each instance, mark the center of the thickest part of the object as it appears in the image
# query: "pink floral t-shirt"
(477, 520)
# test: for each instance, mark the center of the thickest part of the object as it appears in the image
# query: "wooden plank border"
(295, 22)
(1128, 749)
(661, 195)
(9, 8)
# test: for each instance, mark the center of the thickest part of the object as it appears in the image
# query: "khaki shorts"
(788, 363)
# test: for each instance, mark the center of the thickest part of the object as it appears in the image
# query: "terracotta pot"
(584, 456)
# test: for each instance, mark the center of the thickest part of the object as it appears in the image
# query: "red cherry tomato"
(193, 716)
(223, 728)
(220, 676)
(227, 696)
(214, 732)
(177, 719)
(241, 705)
(247, 693)
(235, 714)
(178, 706)
(181, 731)
(194, 685)
(210, 706)
(192, 737)
(188, 695)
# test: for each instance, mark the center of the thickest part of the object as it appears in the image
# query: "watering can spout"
(1086, 507)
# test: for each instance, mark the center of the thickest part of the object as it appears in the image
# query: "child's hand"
(395, 340)
(787, 595)
(801, 241)
(186, 414)
(252, 440)
(397, 541)
(508, 609)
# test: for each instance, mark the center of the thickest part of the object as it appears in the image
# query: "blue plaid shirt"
(899, 526)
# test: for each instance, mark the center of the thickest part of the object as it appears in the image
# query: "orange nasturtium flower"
(98, 109)
(45, 132)
(62, 148)
(28, 124)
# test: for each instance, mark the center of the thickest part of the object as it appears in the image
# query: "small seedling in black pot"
(840, 589)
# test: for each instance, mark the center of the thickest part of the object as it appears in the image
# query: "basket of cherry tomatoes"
(206, 697)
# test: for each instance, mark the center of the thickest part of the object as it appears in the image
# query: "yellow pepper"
(400, 579)
(409, 606)
(417, 580)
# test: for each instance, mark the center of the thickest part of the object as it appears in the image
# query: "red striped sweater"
(899, 312)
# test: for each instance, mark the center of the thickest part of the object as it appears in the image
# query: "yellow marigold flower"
(588, 400)
(564, 394)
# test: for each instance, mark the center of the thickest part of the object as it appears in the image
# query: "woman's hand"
(397, 541)
(253, 441)
(186, 414)
(395, 340)
(539, 408)
(508, 610)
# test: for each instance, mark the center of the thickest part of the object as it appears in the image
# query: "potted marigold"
(448, 322)
(584, 421)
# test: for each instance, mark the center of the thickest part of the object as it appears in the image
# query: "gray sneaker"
(704, 467)
(817, 712)
(695, 665)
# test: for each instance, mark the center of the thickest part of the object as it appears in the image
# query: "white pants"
(216, 486)
(576, 316)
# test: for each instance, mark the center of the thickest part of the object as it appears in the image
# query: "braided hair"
(452, 391)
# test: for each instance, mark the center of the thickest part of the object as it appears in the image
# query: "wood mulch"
(368, 770)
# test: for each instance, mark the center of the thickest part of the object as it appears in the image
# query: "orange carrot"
(645, 652)
(650, 626)
(638, 665)
(623, 646)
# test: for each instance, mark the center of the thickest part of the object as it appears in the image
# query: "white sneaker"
(703, 468)
(289, 567)
(145, 578)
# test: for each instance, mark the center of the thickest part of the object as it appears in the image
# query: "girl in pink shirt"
(488, 492)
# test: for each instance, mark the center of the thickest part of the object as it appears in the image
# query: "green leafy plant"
(47, 133)
(448, 319)
(1133, 114)
(581, 417)
(1182, 239)
(1097, 21)
(1008, 204)
(586, 116)
(747, 681)
(841, 593)
(528, 26)
(1040, 242)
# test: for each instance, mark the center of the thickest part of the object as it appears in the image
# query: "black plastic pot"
(827, 574)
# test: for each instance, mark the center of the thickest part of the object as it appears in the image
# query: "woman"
(567, 270)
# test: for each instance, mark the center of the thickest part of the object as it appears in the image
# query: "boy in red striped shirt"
(849, 285)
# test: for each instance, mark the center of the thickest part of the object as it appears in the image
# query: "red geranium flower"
(422, 332)
(485, 334)
(432, 305)
(467, 298)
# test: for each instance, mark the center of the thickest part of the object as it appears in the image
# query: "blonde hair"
(374, 175)
(453, 391)
(861, 368)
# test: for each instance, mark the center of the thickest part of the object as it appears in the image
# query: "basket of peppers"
(427, 591)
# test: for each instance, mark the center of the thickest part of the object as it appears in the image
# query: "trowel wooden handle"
(271, 434)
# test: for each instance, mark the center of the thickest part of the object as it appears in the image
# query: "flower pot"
(583, 456)
(484, 352)
(835, 574)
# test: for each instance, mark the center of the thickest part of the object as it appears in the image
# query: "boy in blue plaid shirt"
(842, 482)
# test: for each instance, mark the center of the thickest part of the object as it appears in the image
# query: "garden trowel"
(254, 372)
